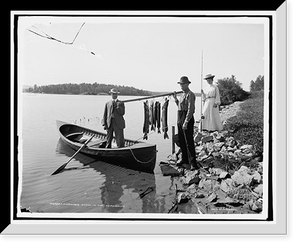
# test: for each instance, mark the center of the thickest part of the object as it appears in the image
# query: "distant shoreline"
(101, 94)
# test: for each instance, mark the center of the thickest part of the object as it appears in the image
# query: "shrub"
(231, 90)
(247, 125)
(258, 84)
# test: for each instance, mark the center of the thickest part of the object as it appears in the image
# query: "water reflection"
(123, 190)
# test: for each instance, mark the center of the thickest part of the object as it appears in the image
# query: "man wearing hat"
(113, 120)
(185, 123)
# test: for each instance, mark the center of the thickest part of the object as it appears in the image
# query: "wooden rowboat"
(135, 155)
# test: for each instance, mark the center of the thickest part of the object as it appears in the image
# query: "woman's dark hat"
(184, 80)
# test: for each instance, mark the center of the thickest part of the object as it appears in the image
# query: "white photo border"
(275, 225)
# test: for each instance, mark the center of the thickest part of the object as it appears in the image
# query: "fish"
(164, 118)
(153, 117)
(150, 115)
(146, 120)
(157, 114)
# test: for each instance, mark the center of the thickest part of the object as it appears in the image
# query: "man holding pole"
(185, 123)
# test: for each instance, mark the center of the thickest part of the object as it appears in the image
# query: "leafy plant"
(231, 90)
(248, 125)
(258, 84)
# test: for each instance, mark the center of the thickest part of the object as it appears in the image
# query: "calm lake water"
(86, 185)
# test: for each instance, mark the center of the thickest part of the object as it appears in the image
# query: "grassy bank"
(247, 126)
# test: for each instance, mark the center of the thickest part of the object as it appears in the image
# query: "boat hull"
(135, 155)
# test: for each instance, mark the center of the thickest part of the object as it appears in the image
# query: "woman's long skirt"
(212, 120)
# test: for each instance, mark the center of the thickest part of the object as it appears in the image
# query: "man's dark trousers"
(189, 132)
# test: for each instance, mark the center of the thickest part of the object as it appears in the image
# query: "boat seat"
(97, 143)
(74, 136)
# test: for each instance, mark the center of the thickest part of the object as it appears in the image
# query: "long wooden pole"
(173, 142)
(149, 97)
(201, 82)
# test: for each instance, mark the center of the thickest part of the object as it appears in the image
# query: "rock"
(191, 177)
(244, 169)
(208, 159)
(200, 150)
(248, 154)
(199, 195)
(220, 136)
(220, 194)
(211, 197)
(211, 185)
(231, 149)
(215, 134)
(256, 206)
(207, 185)
(210, 147)
(238, 152)
(195, 180)
(231, 142)
(260, 168)
(198, 137)
(256, 177)
(259, 190)
(202, 157)
(241, 177)
(226, 185)
(182, 198)
(216, 186)
(224, 175)
(216, 154)
(201, 183)
(247, 148)
(169, 170)
(227, 200)
(215, 171)
(218, 146)
(241, 193)
(194, 191)
(232, 155)
(206, 139)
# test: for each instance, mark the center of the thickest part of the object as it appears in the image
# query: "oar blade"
(65, 164)
(59, 169)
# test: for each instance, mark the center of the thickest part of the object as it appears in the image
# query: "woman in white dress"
(211, 120)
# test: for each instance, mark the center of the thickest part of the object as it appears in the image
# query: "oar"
(65, 164)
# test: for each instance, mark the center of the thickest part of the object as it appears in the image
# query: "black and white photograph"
(131, 116)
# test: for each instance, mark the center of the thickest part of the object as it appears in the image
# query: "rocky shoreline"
(229, 111)
(229, 180)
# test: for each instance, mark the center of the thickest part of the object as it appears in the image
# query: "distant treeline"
(86, 89)
(230, 89)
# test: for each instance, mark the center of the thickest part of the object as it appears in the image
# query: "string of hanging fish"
(156, 118)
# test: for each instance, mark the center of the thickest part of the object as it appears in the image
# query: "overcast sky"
(146, 53)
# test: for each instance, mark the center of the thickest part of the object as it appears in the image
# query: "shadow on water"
(124, 190)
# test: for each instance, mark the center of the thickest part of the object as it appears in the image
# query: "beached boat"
(136, 155)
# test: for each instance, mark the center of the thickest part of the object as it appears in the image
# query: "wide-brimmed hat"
(114, 91)
(209, 76)
(184, 80)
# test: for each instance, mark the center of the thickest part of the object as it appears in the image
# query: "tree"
(258, 84)
(231, 90)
